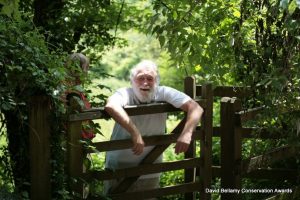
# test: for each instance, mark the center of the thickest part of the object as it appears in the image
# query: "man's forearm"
(121, 117)
(193, 119)
(194, 113)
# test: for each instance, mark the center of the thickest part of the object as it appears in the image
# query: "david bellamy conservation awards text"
(243, 190)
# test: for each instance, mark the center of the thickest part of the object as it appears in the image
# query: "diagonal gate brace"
(125, 184)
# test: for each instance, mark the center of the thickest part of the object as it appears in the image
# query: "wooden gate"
(198, 169)
(190, 164)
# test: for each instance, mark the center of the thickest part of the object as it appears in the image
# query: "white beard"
(144, 98)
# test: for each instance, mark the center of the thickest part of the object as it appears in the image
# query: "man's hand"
(138, 144)
(183, 143)
(194, 113)
(119, 115)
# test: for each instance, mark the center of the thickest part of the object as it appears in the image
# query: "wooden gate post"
(230, 149)
(75, 154)
(39, 137)
(205, 174)
(190, 174)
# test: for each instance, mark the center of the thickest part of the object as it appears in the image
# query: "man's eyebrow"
(144, 74)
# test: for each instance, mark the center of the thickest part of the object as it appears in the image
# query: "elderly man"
(145, 88)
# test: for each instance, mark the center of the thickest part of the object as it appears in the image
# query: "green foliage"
(172, 177)
(252, 43)
(5, 173)
(10, 8)
(74, 24)
(7, 195)
(120, 60)
(267, 54)
(26, 65)
(235, 42)
(198, 35)
(28, 69)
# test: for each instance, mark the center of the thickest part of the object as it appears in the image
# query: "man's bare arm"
(194, 114)
(118, 113)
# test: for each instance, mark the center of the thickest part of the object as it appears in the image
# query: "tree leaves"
(193, 32)
(284, 4)
(10, 8)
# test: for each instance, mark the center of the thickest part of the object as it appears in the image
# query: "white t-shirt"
(150, 124)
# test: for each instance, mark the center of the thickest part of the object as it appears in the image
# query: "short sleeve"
(174, 97)
(120, 97)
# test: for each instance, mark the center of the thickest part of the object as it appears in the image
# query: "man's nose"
(146, 82)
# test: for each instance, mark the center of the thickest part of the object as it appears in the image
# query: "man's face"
(144, 84)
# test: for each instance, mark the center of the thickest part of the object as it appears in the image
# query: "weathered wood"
(230, 149)
(75, 154)
(150, 158)
(227, 91)
(142, 169)
(227, 146)
(216, 171)
(249, 114)
(39, 137)
(268, 158)
(237, 107)
(206, 143)
(230, 130)
(89, 115)
(190, 174)
(178, 189)
(149, 141)
(131, 110)
(99, 113)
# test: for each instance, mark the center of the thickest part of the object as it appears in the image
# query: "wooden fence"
(161, 143)
(198, 169)
(234, 167)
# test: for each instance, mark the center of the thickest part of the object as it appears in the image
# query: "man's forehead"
(148, 72)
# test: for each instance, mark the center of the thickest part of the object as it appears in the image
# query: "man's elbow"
(109, 107)
(192, 107)
(199, 109)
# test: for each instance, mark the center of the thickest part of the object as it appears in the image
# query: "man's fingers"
(138, 145)
(181, 147)
(138, 149)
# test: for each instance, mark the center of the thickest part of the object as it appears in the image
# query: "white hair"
(84, 61)
(145, 64)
